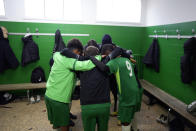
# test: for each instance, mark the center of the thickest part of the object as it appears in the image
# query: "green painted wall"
(126, 37)
(135, 38)
(170, 52)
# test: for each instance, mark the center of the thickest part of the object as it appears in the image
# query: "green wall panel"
(126, 37)
(170, 52)
(135, 38)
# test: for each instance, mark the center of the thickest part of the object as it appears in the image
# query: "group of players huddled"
(100, 68)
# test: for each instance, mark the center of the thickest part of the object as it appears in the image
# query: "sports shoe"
(32, 100)
(191, 108)
(71, 123)
(38, 98)
(119, 123)
(114, 114)
(162, 119)
(72, 116)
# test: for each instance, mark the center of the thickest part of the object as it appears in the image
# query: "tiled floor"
(33, 117)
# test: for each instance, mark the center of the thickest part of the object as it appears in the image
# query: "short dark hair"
(91, 51)
(106, 48)
(75, 44)
(92, 43)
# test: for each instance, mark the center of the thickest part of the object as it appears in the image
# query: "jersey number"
(129, 68)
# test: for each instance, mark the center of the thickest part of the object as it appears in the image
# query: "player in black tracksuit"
(94, 97)
(94, 94)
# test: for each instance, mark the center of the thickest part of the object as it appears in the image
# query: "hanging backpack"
(38, 75)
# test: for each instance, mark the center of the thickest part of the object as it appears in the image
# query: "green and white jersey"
(61, 81)
(127, 84)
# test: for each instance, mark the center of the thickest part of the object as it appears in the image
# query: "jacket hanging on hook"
(7, 56)
(188, 61)
(58, 45)
(151, 59)
(30, 51)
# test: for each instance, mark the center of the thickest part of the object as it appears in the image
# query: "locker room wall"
(161, 12)
(171, 50)
(126, 37)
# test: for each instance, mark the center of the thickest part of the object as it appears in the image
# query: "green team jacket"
(129, 93)
(61, 81)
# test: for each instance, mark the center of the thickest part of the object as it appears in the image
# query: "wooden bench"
(169, 100)
(23, 86)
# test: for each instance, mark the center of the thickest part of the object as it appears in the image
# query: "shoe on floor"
(71, 123)
(114, 114)
(72, 116)
(162, 119)
(119, 123)
(38, 98)
(32, 100)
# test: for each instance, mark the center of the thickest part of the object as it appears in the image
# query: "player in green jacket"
(129, 92)
(61, 83)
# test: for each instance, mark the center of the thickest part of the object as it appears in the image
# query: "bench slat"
(23, 86)
(171, 101)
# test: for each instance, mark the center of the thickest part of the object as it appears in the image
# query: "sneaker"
(114, 114)
(72, 116)
(32, 100)
(159, 119)
(132, 128)
(162, 119)
(191, 108)
(71, 123)
(119, 123)
(38, 98)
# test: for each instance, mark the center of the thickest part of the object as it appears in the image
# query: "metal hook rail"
(178, 36)
(172, 36)
(47, 34)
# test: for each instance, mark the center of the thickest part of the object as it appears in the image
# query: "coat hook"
(177, 31)
(166, 36)
(156, 36)
(155, 31)
(193, 31)
(37, 31)
(28, 30)
(165, 32)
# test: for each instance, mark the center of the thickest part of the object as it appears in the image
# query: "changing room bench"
(169, 100)
(22, 86)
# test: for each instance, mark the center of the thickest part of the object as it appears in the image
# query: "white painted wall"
(15, 11)
(160, 12)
